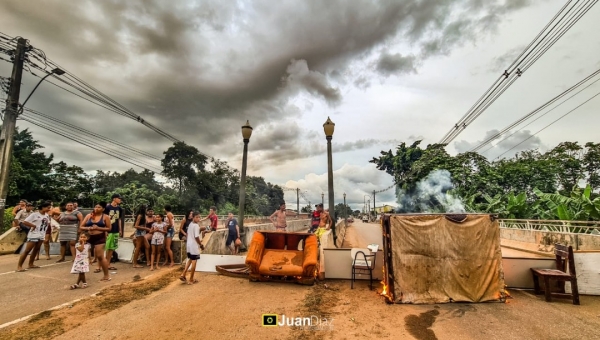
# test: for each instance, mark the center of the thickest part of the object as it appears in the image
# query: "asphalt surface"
(36, 290)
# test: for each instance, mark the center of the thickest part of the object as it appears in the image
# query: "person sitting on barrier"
(185, 223)
(21, 216)
(278, 218)
(315, 218)
(214, 220)
(233, 239)
(19, 207)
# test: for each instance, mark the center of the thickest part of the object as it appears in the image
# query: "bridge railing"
(178, 218)
(577, 227)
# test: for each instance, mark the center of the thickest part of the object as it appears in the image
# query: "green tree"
(591, 164)
(181, 164)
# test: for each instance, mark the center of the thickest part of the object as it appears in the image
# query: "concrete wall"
(214, 243)
(340, 233)
(543, 241)
(11, 240)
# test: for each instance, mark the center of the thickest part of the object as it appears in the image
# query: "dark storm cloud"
(389, 64)
(197, 69)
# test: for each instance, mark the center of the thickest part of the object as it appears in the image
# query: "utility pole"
(374, 211)
(7, 135)
(297, 202)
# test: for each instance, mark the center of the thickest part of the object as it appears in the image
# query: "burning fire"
(384, 290)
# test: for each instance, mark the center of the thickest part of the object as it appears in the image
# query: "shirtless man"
(325, 223)
(279, 218)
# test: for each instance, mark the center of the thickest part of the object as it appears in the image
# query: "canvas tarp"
(437, 260)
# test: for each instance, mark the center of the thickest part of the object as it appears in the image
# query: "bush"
(8, 218)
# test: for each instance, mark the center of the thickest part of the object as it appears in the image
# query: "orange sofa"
(275, 256)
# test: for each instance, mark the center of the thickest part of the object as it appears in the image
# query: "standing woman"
(185, 223)
(37, 222)
(141, 230)
(69, 220)
(170, 220)
(97, 224)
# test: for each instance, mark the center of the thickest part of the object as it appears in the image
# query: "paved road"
(36, 290)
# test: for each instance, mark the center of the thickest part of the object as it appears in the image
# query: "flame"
(384, 290)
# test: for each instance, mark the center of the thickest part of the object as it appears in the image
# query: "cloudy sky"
(384, 71)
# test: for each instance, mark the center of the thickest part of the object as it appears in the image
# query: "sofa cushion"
(281, 262)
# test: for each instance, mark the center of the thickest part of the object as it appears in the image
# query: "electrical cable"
(540, 109)
(529, 56)
(556, 120)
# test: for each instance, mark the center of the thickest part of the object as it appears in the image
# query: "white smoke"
(432, 195)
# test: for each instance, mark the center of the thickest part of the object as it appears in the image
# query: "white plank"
(588, 273)
(208, 262)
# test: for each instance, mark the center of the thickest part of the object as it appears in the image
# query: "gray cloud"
(197, 69)
(511, 144)
(389, 64)
(502, 62)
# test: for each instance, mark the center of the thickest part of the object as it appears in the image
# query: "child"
(159, 229)
(81, 264)
(193, 243)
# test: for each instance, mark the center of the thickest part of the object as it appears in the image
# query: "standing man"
(324, 224)
(214, 220)
(278, 218)
(75, 206)
(234, 234)
(114, 212)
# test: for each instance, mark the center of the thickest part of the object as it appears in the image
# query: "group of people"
(96, 234)
(94, 238)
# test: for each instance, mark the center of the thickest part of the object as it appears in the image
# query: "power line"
(91, 133)
(556, 120)
(540, 109)
(566, 19)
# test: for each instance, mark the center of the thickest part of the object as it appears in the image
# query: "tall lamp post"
(322, 198)
(345, 212)
(328, 127)
(246, 133)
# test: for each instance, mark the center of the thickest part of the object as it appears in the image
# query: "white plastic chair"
(363, 261)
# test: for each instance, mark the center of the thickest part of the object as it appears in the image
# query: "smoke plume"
(431, 195)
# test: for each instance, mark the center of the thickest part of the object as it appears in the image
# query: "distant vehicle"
(365, 219)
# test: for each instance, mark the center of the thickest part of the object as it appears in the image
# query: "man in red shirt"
(212, 216)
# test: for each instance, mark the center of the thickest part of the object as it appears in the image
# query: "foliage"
(7, 220)
(197, 182)
(306, 209)
(529, 185)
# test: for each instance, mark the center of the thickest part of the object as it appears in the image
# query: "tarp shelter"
(437, 258)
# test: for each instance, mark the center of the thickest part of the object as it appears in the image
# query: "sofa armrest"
(311, 252)
(255, 252)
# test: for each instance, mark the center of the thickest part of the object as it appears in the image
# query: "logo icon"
(269, 320)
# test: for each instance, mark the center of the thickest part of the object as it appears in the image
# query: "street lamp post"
(345, 212)
(322, 198)
(328, 127)
(246, 133)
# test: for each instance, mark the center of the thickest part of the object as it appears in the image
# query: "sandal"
(74, 287)
(106, 280)
(84, 285)
(97, 270)
(138, 266)
(20, 270)
(59, 261)
(34, 267)
(112, 268)
(182, 279)
(193, 282)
